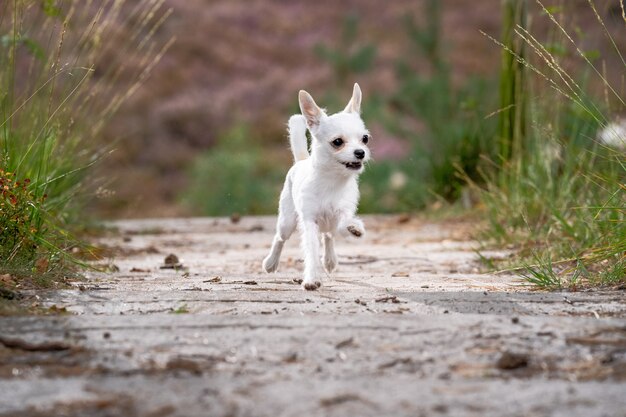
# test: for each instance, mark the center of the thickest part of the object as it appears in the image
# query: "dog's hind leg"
(285, 226)
(330, 258)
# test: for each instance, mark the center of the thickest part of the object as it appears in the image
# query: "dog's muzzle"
(353, 165)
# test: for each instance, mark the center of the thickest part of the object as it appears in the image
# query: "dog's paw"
(352, 228)
(270, 264)
(311, 285)
(355, 231)
(330, 263)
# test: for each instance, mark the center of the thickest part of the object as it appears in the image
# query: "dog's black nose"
(359, 153)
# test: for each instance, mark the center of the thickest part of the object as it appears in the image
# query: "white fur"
(297, 137)
(321, 193)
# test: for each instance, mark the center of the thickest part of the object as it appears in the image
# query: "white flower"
(614, 135)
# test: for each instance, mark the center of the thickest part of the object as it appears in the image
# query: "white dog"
(321, 192)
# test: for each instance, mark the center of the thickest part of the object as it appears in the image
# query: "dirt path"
(406, 327)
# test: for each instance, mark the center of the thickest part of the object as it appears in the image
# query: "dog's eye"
(337, 142)
(366, 138)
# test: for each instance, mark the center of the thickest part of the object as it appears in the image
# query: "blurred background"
(205, 133)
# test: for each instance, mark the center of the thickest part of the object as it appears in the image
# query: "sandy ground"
(407, 326)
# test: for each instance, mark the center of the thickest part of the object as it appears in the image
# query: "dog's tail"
(297, 137)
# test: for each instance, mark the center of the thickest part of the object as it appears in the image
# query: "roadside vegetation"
(55, 98)
(558, 191)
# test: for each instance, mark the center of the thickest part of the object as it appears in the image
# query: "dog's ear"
(312, 113)
(354, 105)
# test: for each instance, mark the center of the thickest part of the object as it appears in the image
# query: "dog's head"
(340, 140)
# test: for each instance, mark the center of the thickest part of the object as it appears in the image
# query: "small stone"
(171, 259)
(511, 360)
(291, 358)
(345, 343)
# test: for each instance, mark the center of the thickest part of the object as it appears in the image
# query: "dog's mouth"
(353, 165)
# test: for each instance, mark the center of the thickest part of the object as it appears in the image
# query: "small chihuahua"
(321, 190)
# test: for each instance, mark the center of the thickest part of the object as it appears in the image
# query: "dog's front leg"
(311, 247)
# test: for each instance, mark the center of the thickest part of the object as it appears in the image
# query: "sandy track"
(408, 325)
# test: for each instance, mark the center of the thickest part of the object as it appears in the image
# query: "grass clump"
(55, 99)
(559, 195)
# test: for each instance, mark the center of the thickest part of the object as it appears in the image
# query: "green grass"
(542, 274)
(53, 108)
(559, 196)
